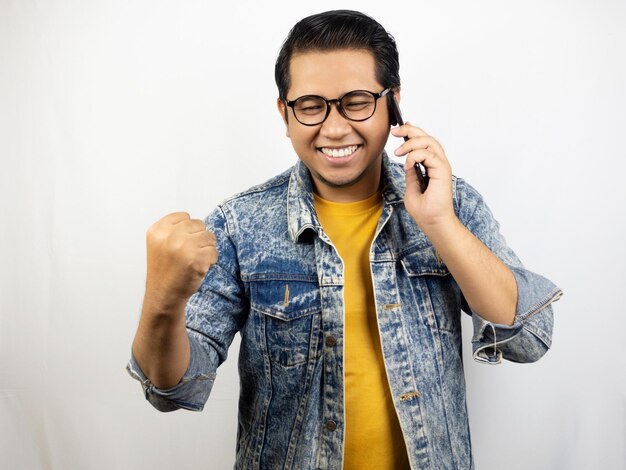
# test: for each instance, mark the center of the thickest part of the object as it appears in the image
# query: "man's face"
(343, 156)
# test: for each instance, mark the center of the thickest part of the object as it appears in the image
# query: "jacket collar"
(301, 216)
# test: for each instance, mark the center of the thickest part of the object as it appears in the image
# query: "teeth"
(338, 153)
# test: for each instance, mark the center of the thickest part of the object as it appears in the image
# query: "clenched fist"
(180, 252)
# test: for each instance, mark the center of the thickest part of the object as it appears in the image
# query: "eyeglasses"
(357, 105)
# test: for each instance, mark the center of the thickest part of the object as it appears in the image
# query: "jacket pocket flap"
(285, 299)
(424, 261)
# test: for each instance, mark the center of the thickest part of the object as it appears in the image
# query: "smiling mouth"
(339, 152)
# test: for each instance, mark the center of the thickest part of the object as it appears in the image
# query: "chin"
(340, 181)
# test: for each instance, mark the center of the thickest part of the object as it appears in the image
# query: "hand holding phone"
(396, 118)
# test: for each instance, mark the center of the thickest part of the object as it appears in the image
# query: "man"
(345, 281)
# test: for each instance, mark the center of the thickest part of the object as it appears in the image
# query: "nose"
(336, 125)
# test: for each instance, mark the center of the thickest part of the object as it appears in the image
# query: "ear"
(282, 110)
(396, 93)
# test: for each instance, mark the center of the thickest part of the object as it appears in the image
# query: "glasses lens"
(310, 109)
(358, 105)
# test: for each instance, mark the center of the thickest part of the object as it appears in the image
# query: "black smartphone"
(396, 119)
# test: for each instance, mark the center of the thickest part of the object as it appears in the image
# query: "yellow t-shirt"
(373, 439)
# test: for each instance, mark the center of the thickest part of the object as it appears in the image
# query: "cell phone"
(396, 119)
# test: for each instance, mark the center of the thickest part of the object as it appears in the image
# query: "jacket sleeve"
(214, 314)
(530, 336)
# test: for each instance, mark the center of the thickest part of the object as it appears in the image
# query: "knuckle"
(174, 242)
(197, 260)
(155, 233)
(210, 237)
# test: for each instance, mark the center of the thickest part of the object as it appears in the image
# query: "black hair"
(335, 30)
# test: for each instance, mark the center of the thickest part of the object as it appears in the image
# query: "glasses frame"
(376, 96)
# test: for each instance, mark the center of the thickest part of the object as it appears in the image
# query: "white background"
(114, 113)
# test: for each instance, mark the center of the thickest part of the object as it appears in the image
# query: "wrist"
(159, 303)
(442, 227)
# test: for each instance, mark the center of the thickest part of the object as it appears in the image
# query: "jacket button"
(331, 425)
(331, 341)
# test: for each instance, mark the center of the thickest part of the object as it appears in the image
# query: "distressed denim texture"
(292, 390)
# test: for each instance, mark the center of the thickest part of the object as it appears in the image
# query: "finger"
(212, 237)
(211, 254)
(426, 142)
(400, 131)
(423, 156)
(205, 258)
(436, 165)
(421, 138)
(204, 239)
(408, 130)
(414, 144)
(432, 150)
(176, 217)
(416, 130)
(193, 226)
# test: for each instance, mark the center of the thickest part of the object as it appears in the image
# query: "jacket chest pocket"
(290, 313)
(434, 287)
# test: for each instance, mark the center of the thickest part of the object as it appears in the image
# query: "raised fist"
(180, 252)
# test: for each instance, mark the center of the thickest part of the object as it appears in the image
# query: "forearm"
(161, 345)
(486, 282)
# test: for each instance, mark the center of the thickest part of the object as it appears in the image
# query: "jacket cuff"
(530, 335)
(191, 393)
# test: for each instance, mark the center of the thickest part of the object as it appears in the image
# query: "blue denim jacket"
(291, 357)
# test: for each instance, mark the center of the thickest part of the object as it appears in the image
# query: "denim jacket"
(279, 282)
